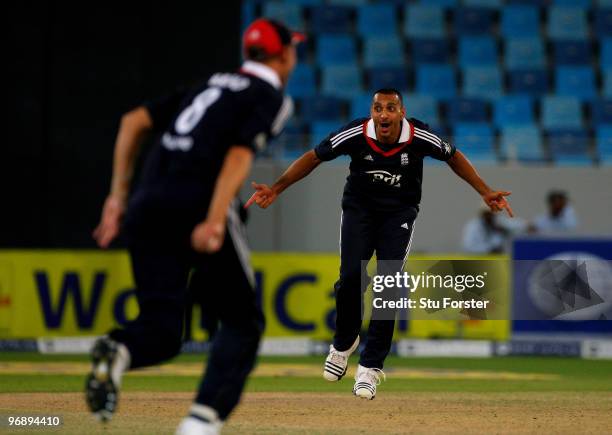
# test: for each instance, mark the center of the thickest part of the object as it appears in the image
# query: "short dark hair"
(390, 91)
(555, 195)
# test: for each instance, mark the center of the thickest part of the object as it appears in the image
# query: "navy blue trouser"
(363, 231)
(161, 264)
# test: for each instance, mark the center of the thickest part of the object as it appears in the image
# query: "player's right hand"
(110, 222)
(263, 196)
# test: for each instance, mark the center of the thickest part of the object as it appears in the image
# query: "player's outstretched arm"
(265, 195)
(132, 132)
(208, 236)
(495, 199)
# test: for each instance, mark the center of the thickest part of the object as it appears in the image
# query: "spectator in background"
(484, 234)
(560, 218)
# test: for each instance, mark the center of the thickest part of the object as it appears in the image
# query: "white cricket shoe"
(193, 426)
(337, 362)
(366, 381)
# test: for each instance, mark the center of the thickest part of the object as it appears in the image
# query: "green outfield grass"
(566, 374)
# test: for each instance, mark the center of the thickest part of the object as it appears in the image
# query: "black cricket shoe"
(100, 391)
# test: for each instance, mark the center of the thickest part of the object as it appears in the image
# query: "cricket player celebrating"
(379, 206)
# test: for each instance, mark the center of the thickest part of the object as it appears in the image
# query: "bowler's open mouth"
(384, 127)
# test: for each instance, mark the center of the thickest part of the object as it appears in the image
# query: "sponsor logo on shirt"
(386, 177)
(369, 157)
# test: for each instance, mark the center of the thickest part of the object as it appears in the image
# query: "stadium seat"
(603, 21)
(607, 83)
(336, 50)
(321, 108)
(248, 13)
(424, 21)
(605, 57)
(572, 52)
(513, 110)
(476, 140)
(561, 112)
(430, 51)
(581, 3)
(569, 147)
(523, 143)
(482, 82)
(603, 142)
(302, 82)
(388, 51)
(601, 112)
(520, 21)
(577, 81)
(319, 130)
(524, 53)
(461, 110)
(566, 22)
(493, 4)
(330, 19)
(291, 141)
(436, 80)
(384, 77)
(473, 21)
(529, 82)
(376, 20)
(348, 2)
(288, 13)
(341, 81)
(422, 107)
(477, 51)
(441, 3)
(360, 106)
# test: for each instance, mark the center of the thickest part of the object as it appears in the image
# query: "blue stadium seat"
(461, 110)
(477, 51)
(288, 13)
(493, 4)
(607, 83)
(513, 110)
(565, 22)
(529, 2)
(360, 106)
(248, 13)
(605, 57)
(442, 3)
(476, 140)
(341, 81)
(520, 21)
(569, 147)
(424, 21)
(572, 52)
(482, 82)
(430, 51)
(422, 107)
(336, 50)
(603, 21)
(302, 82)
(581, 3)
(529, 82)
(376, 20)
(330, 19)
(561, 112)
(319, 130)
(306, 2)
(473, 21)
(385, 77)
(525, 53)
(439, 81)
(291, 141)
(348, 2)
(577, 81)
(321, 108)
(603, 141)
(388, 51)
(523, 143)
(601, 112)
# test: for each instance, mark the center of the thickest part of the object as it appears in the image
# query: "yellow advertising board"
(82, 292)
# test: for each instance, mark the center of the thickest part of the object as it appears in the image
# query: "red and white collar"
(405, 135)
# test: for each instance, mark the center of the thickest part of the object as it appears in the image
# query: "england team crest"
(404, 158)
